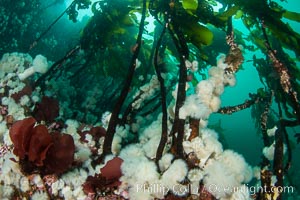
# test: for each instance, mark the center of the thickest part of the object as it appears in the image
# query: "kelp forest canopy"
(143, 59)
(111, 33)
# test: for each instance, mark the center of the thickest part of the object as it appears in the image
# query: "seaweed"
(116, 41)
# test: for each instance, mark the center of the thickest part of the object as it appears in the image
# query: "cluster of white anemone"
(206, 98)
(216, 167)
(14, 69)
(225, 170)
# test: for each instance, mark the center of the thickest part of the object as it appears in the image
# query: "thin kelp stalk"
(283, 73)
(152, 110)
(263, 122)
(55, 2)
(164, 124)
(130, 111)
(126, 116)
(278, 157)
(79, 71)
(41, 80)
(153, 11)
(178, 126)
(234, 57)
(278, 164)
(265, 181)
(50, 26)
(112, 91)
(265, 172)
(255, 98)
(147, 103)
(117, 108)
(289, 151)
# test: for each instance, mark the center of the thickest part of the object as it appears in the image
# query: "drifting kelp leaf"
(190, 5)
(238, 14)
(284, 33)
(119, 31)
(259, 42)
(128, 20)
(198, 34)
(228, 13)
(292, 16)
(261, 92)
(248, 22)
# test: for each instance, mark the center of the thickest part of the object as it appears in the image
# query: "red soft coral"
(39, 144)
(98, 132)
(27, 90)
(61, 154)
(107, 179)
(47, 110)
(20, 134)
(112, 171)
(37, 149)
